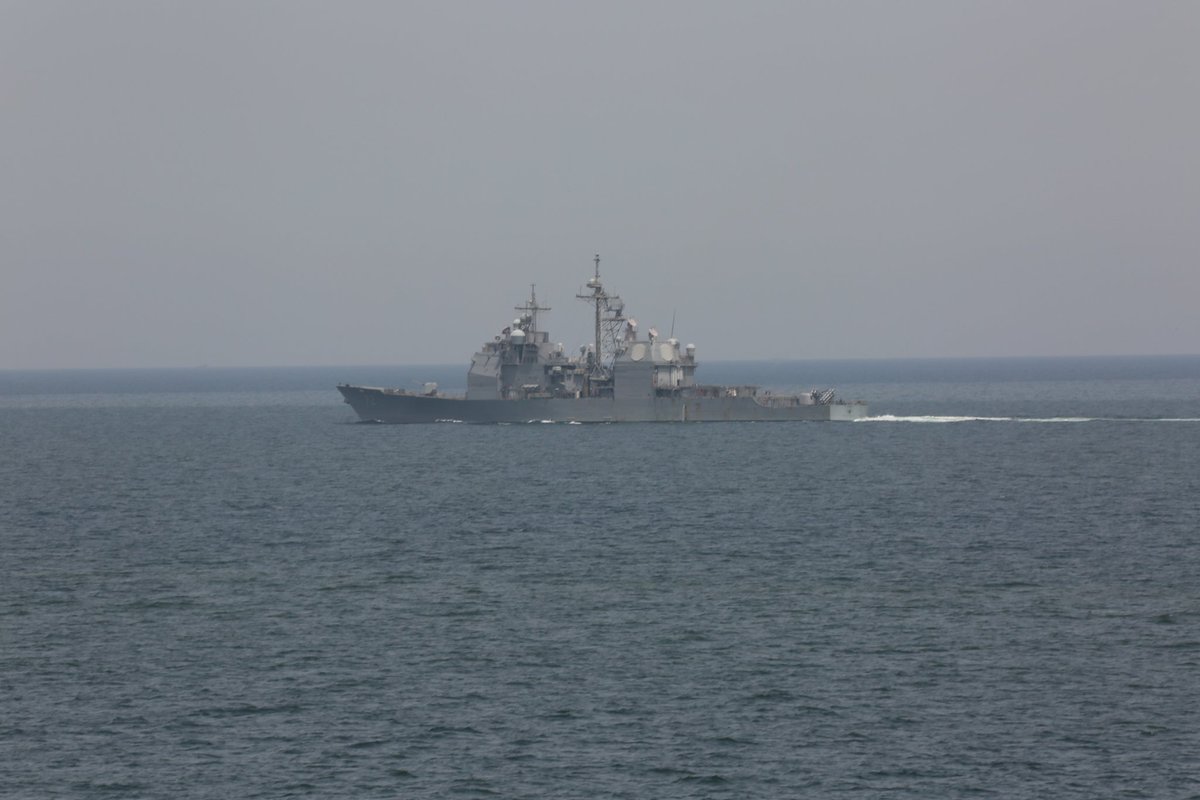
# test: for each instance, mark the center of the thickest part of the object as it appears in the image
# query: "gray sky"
(277, 183)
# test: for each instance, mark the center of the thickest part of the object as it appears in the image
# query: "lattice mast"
(610, 320)
(596, 297)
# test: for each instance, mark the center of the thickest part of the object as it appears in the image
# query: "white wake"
(944, 418)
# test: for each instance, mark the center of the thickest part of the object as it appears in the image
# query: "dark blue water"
(212, 584)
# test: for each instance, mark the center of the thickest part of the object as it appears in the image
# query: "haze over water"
(214, 584)
(242, 183)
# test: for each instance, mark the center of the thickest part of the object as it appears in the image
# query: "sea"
(214, 583)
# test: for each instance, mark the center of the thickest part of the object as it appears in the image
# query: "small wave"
(115, 787)
(707, 780)
(448, 420)
(246, 709)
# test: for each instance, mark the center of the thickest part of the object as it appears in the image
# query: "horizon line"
(393, 365)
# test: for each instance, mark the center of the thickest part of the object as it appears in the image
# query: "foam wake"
(933, 418)
(937, 418)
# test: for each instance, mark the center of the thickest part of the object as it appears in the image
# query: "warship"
(521, 376)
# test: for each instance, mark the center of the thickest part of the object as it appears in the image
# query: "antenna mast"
(598, 297)
(610, 319)
(532, 307)
(599, 293)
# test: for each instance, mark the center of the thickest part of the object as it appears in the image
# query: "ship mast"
(599, 292)
(598, 297)
(532, 307)
(610, 320)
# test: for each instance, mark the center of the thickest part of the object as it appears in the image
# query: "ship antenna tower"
(532, 307)
(609, 319)
(599, 291)
(597, 297)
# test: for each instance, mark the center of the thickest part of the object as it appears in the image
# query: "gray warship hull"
(395, 406)
(521, 376)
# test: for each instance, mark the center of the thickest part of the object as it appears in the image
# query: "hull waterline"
(374, 404)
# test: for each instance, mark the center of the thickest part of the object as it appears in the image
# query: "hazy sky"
(278, 183)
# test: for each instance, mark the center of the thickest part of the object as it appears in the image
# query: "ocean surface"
(214, 584)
